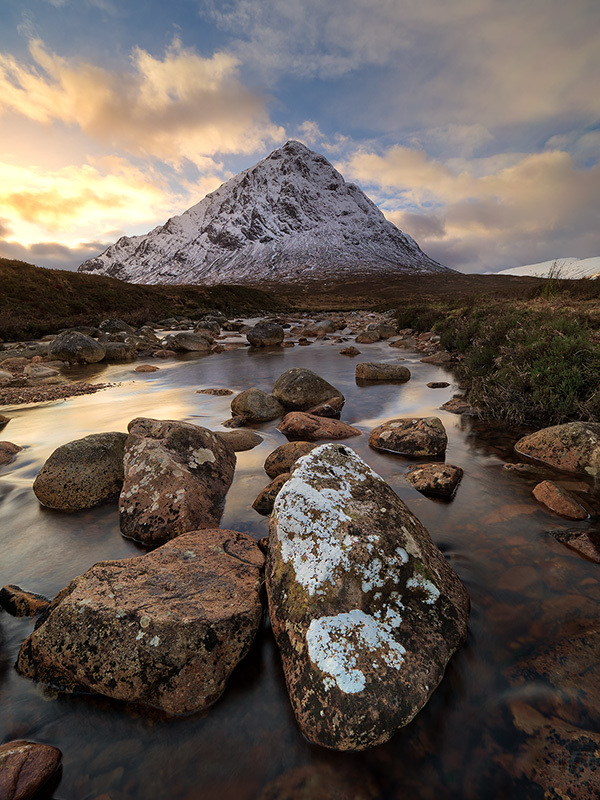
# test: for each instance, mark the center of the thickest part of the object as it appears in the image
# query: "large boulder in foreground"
(410, 436)
(573, 447)
(25, 767)
(365, 609)
(299, 389)
(176, 478)
(76, 347)
(164, 629)
(82, 473)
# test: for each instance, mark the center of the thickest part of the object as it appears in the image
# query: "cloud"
(182, 106)
(52, 255)
(522, 209)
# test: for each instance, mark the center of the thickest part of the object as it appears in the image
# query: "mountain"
(290, 217)
(559, 268)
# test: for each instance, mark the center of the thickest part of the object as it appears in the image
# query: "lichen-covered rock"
(25, 767)
(76, 347)
(176, 478)
(308, 427)
(364, 607)
(436, 479)
(265, 334)
(374, 371)
(82, 473)
(284, 456)
(185, 341)
(256, 406)
(21, 603)
(573, 447)
(164, 629)
(559, 500)
(265, 500)
(299, 389)
(410, 436)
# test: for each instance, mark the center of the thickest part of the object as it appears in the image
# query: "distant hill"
(567, 268)
(290, 218)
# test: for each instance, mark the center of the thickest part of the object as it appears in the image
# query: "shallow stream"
(524, 588)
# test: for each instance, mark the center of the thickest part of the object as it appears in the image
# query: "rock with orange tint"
(573, 447)
(350, 351)
(8, 452)
(586, 543)
(164, 629)
(284, 456)
(331, 408)
(308, 427)
(265, 500)
(559, 500)
(146, 368)
(435, 479)
(25, 767)
(176, 479)
(21, 603)
(411, 436)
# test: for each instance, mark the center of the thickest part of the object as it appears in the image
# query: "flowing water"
(524, 588)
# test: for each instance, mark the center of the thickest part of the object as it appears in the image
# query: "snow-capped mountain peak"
(290, 217)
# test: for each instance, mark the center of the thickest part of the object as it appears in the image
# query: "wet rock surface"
(164, 629)
(76, 347)
(365, 609)
(409, 436)
(435, 479)
(265, 334)
(308, 427)
(373, 371)
(559, 500)
(265, 500)
(298, 389)
(176, 478)
(25, 767)
(573, 447)
(284, 456)
(8, 452)
(241, 440)
(20, 603)
(586, 543)
(186, 341)
(256, 406)
(82, 473)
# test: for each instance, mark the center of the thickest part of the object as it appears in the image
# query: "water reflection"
(524, 586)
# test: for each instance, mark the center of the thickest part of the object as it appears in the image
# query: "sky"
(473, 124)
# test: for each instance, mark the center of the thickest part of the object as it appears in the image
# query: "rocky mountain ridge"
(290, 217)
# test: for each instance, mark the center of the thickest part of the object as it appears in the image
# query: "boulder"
(384, 329)
(573, 447)
(435, 479)
(119, 351)
(421, 437)
(256, 406)
(367, 337)
(438, 385)
(373, 371)
(146, 368)
(299, 389)
(265, 334)
(176, 479)
(185, 341)
(20, 603)
(586, 543)
(217, 392)
(264, 502)
(208, 325)
(8, 452)
(297, 425)
(116, 326)
(76, 347)
(241, 440)
(458, 405)
(350, 351)
(4, 420)
(364, 607)
(39, 371)
(331, 408)
(164, 629)
(82, 473)
(441, 357)
(559, 500)
(285, 456)
(25, 767)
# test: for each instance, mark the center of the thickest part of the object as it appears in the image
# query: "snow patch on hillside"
(568, 268)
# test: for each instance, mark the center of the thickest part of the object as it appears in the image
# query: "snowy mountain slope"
(290, 217)
(559, 268)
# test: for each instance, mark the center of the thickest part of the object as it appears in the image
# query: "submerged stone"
(364, 607)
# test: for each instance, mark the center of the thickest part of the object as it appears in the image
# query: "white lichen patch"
(430, 589)
(337, 644)
(155, 641)
(201, 455)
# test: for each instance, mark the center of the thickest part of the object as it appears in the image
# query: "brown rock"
(164, 629)
(164, 353)
(299, 389)
(8, 452)
(573, 447)
(82, 473)
(458, 405)
(410, 436)
(146, 368)
(365, 610)
(442, 357)
(436, 479)
(4, 420)
(216, 392)
(264, 502)
(372, 371)
(586, 543)
(256, 406)
(186, 341)
(437, 385)
(285, 456)
(332, 408)
(20, 603)
(350, 351)
(559, 500)
(241, 440)
(25, 767)
(297, 425)
(176, 478)
(76, 347)
(367, 337)
(265, 334)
